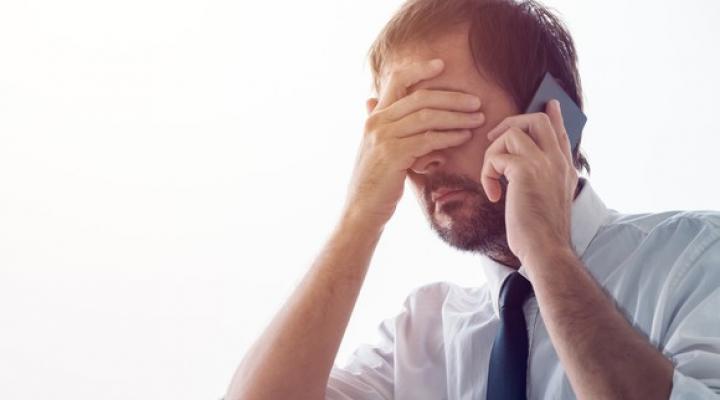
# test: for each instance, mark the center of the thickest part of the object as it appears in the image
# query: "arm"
(293, 357)
(603, 355)
(605, 358)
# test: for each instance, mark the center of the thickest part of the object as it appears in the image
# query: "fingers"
(431, 119)
(524, 147)
(399, 115)
(439, 99)
(400, 79)
(493, 169)
(552, 108)
(537, 125)
(514, 141)
(507, 156)
(418, 145)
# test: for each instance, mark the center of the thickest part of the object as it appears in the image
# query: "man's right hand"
(401, 128)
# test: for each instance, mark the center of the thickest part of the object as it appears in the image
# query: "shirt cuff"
(687, 388)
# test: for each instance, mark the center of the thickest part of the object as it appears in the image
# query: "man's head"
(498, 50)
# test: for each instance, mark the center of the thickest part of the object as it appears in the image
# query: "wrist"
(548, 257)
(356, 221)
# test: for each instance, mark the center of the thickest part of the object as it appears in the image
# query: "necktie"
(508, 359)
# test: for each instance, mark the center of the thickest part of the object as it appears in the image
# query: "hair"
(513, 44)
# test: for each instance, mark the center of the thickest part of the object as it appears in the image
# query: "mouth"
(440, 194)
(446, 196)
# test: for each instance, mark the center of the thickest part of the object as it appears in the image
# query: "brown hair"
(514, 42)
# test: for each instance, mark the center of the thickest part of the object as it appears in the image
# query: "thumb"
(370, 104)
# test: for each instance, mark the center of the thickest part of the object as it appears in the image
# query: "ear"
(370, 104)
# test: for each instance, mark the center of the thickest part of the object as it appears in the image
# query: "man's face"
(467, 220)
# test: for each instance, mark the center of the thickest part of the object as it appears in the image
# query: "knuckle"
(371, 131)
(375, 122)
(371, 123)
(544, 120)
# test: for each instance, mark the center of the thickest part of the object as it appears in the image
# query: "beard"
(469, 222)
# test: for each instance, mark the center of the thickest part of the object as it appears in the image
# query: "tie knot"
(514, 291)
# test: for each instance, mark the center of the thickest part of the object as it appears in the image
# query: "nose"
(429, 162)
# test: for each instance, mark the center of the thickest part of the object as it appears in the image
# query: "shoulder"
(674, 249)
(659, 247)
(679, 226)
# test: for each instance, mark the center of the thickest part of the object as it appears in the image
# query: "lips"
(437, 194)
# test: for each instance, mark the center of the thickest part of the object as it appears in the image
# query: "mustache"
(462, 183)
(468, 186)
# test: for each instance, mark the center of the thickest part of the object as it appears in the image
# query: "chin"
(471, 223)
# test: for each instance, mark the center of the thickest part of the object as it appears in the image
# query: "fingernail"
(436, 63)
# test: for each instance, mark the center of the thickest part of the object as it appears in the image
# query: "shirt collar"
(587, 214)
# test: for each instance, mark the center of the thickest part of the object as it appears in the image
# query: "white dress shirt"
(663, 271)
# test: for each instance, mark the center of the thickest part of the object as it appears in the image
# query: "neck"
(507, 259)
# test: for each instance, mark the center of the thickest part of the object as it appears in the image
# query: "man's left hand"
(533, 152)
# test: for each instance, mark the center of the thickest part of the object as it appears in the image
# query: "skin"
(472, 222)
(415, 131)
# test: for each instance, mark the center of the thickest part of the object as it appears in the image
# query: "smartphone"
(573, 117)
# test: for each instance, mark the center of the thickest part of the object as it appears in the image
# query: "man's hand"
(401, 128)
(533, 152)
(603, 355)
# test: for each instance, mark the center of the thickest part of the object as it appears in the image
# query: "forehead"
(460, 72)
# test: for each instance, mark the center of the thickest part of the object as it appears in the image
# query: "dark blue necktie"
(508, 359)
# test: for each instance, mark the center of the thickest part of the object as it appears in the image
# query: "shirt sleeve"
(409, 353)
(686, 388)
(368, 374)
(693, 337)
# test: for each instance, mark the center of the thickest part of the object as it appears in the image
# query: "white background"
(169, 169)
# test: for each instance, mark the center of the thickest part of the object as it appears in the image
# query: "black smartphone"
(573, 117)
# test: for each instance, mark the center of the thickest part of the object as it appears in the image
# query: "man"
(580, 301)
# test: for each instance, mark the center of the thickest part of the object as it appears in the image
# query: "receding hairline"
(398, 50)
